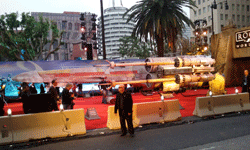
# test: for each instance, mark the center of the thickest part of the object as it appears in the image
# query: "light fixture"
(205, 48)
(61, 107)
(9, 112)
(210, 93)
(236, 91)
(162, 98)
(204, 33)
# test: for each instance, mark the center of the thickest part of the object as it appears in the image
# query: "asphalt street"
(223, 133)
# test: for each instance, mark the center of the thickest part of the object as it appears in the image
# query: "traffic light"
(94, 36)
(94, 26)
(83, 28)
(82, 17)
(83, 36)
(95, 46)
(84, 45)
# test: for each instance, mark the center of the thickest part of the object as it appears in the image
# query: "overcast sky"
(59, 6)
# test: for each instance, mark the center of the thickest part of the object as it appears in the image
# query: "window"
(77, 25)
(238, 17)
(243, 8)
(64, 25)
(226, 16)
(238, 7)
(70, 26)
(248, 18)
(199, 11)
(247, 7)
(204, 9)
(199, 2)
(56, 56)
(195, 13)
(243, 18)
(221, 5)
(221, 16)
(209, 18)
(208, 8)
(233, 6)
(233, 17)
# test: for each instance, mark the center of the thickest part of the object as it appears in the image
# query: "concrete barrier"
(244, 101)
(6, 135)
(46, 125)
(203, 106)
(148, 112)
(226, 103)
(221, 104)
(113, 121)
(171, 110)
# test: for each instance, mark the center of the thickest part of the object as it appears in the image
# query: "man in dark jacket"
(67, 97)
(245, 82)
(54, 96)
(124, 103)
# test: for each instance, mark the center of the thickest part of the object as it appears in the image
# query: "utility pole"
(103, 33)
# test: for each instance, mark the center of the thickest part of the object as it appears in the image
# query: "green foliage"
(133, 47)
(159, 20)
(27, 34)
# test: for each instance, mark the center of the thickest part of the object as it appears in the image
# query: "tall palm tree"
(159, 20)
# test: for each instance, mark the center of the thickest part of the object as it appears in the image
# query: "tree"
(133, 47)
(159, 20)
(26, 39)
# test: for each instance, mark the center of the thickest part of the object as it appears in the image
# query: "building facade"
(115, 28)
(238, 12)
(68, 22)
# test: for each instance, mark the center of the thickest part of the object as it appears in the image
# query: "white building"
(238, 11)
(115, 28)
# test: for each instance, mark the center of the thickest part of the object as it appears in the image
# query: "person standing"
(25, 99)
(245, 82)
(54, 96)
(33, 89)
(124, 104)
(67, 97)
(42, 91)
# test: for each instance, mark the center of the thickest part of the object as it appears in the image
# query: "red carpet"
(187, 100)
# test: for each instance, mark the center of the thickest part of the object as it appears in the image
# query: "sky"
(59, 6)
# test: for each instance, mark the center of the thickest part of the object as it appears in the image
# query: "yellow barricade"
(5, 130)
(203, 106)
(171, 110)
(50, 124)
(113, 121)
(149, 112)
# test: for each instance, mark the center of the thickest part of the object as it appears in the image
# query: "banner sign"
(242, 39)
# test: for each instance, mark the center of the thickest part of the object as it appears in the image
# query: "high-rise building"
(238, 12)
(68, 22)
(115, 27)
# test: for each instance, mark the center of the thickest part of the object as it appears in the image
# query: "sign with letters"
(242, 39)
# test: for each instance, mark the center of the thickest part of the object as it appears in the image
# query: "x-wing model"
(163, 73)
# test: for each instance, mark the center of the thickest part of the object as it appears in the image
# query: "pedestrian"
(33, 89)
(124, 104)
(67, 97)
(104, 90)
(245, 82)
(25, 99)
(42, 89)
(54, 96)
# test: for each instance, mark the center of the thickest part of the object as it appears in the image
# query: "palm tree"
(159, 20)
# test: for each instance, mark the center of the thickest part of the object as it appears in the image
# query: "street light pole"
(213, 6)
(103, 36)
